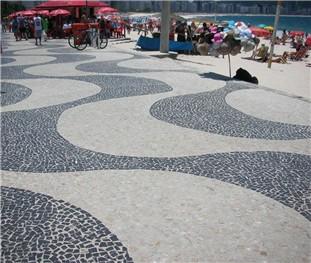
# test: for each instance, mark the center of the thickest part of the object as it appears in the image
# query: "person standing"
(45, 25)
(21, 27)
(27, 28)
(15, 28)
(180, 31)
(38, 29)
(102, 27)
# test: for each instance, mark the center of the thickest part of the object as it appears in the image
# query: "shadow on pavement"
(215, 76)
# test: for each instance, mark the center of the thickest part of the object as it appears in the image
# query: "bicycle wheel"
(103, 42)
(71, 41)
(80, 41)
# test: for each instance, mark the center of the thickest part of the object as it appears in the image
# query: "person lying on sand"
(281, 59)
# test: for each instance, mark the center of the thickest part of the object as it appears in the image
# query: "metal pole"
(215, 10)
(87, 11)
(276, 22)
(165, 26)
(229, 65)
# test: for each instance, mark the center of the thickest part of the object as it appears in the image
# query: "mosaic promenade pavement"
(113, 156)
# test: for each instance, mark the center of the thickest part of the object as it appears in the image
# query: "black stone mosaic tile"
(112, 67)
(13, 93)
(107, 67)
(37, 228)
(34, 47)
(66, 50)
(31, 143)
(5, 60)
(208, 111)
(60, 58)
(17, 72)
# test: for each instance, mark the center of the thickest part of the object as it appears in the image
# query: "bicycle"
(71, 41)
(88, 37)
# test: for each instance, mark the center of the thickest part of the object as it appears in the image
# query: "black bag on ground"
(244, 75)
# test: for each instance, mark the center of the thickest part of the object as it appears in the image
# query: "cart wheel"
(80, 42)
(71, 41)
(103, 43)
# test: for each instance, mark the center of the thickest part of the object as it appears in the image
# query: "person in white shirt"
(38, 29)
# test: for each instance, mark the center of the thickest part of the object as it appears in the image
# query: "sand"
(293, 78)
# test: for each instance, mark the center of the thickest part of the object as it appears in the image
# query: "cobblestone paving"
(6, 60)
(210, 112)
(38, 228)
(13, 93)
(32, 222)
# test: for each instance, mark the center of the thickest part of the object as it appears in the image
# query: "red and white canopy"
(59, 12)
(52, 4)
(43, 12)
(27, 13)
(106, 10)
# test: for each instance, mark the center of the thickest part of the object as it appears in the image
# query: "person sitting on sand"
(299, 43)
(299, 55)
(262, 53)
(277, 41)
(284, 37)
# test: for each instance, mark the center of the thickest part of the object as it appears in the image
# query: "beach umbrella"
(59, 12)
(308, 41)
(18, 13)
(260, 32)
(27, 13)
(231, 45)
(52, 4)
(296, 33)
(12, 15)
(270, 28)
(261, 25)
(240, 24)
(43, 12)
(106, 10)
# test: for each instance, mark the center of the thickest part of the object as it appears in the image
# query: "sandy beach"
(292, 78)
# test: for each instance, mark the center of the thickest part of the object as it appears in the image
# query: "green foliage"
(8, 7)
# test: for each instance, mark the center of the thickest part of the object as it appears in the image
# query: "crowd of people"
(209, 38)
(28, 27)
(110, 27)
(44, 27)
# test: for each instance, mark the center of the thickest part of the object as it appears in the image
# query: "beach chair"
(262, 54)
(281, 59)
(299, 55)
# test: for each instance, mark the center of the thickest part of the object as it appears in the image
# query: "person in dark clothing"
(180, 30)
(205, 28)
(102, 27)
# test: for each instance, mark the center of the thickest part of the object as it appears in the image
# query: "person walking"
(45, 25)
(38, 29)
(15, 28)
(21, 27)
